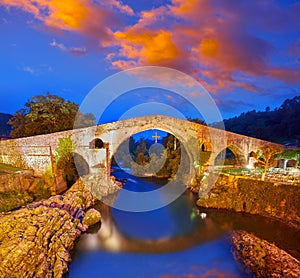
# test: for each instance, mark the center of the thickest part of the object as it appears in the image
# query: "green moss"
(6, 167)
(49, 176)
(13, 199)
(42, 191)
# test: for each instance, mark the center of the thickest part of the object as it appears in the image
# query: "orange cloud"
(209, 39)
(146, 46)
(69, 14)
(209, 47)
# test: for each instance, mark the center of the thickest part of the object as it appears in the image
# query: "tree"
(266, 157)
(196, 120)
(46, 114)
(290, 154)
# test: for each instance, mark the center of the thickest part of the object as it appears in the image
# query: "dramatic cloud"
(91, 18)
(67, 15)
(212, 40)
(223, 43)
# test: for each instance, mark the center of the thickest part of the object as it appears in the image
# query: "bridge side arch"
(240, 159)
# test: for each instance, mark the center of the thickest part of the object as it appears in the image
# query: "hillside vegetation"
(280, 125)
(5, 128)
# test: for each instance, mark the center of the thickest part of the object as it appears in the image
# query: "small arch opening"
(231, 156)
(96, 143)
(206, 147)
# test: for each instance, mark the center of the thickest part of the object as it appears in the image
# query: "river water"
(173, 241)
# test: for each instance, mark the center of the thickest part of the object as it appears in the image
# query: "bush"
(42, 191)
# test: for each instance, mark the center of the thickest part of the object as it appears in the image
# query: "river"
(178, 240)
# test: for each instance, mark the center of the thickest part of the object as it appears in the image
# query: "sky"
(245, 53)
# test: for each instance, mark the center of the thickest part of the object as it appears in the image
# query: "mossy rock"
(91, 217)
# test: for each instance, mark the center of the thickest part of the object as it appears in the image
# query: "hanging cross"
(156, 137)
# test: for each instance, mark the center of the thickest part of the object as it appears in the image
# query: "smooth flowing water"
(173, 241)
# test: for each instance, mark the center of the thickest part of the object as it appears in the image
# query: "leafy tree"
(171, 155)
(266, 157)
(142, 159)
(46, 114)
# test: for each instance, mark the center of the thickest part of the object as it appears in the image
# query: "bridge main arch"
(190, 145)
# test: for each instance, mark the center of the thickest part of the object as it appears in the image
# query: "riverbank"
(19, 187)
(278, 201)
(240, 194)
(264, 258)
(35, 241)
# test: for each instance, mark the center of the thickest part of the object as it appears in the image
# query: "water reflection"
(173, 241)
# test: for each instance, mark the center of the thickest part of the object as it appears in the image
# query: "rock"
(91, 217)
(35, 241)
(263, 258)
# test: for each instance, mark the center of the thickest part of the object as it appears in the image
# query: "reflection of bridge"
(110, 237)
(35, 152)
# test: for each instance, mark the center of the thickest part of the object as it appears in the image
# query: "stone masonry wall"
(241, 194)
(34, 152)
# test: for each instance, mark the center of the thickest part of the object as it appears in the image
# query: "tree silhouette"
(46, 114)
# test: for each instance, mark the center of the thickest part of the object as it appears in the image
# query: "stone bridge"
(37, 152)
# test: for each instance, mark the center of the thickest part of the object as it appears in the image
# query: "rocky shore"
(35, 241)
(264, 258)
(279, 201)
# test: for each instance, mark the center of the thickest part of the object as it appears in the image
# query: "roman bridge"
(37, 152)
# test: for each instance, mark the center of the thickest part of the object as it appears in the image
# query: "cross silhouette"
(156, 137)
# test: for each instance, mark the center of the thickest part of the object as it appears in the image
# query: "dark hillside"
(4, 127)
(281, 125)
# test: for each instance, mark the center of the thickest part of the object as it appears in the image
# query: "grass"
(241, 171)
(6, 167)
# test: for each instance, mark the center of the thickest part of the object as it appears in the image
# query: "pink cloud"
(208, 39)
(73, 50)
(212, 40)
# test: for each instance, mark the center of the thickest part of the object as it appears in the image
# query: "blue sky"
(245, 53)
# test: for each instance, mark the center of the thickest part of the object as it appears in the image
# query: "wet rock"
(91, 217)
(35, 241)
(263, 258)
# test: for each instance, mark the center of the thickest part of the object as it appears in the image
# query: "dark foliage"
(5, 128)
(280, 125)
(46, 114)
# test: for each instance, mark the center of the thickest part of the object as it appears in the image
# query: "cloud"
(232, 105)
(29, 69)
(147, 47)
(67, 15)
(294, 49)
(36, 70)
(73, 50)
(213, 40)
(90, 18)
(121, 7)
